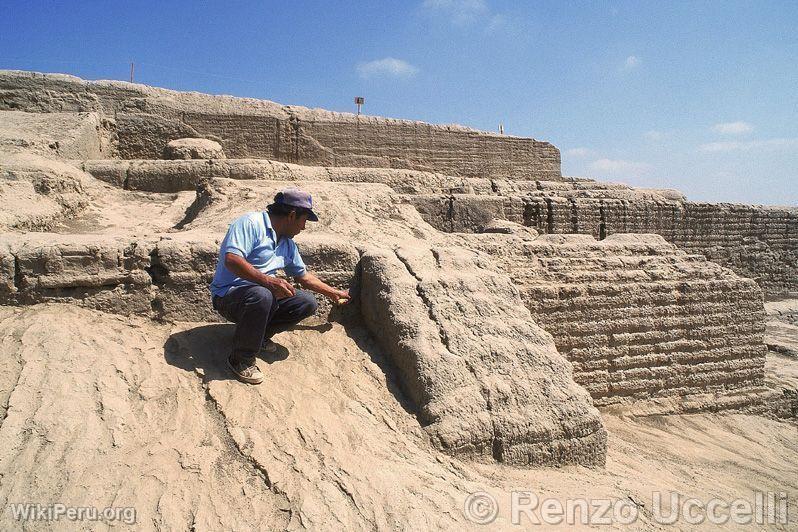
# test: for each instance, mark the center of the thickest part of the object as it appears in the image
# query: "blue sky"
(699, 96)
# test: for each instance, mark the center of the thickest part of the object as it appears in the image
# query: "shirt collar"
(268, 223)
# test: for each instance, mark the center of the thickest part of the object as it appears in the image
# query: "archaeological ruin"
(505, 308)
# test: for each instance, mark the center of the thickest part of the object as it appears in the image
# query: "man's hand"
(239, 266)
(311, 282)
(279, 287)
(340, 297)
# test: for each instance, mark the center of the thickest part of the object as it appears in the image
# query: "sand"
(117, 411)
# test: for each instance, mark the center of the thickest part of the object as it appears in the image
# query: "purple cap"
(297, 198)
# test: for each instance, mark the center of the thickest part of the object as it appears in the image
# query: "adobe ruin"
(511, 301)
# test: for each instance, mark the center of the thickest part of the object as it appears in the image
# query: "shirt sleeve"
(241, 237)
(294, 265)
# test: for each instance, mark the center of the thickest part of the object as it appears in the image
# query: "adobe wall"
(147, 118)
(754, 241)
(638, 318)
(635, 317)
(163, 278)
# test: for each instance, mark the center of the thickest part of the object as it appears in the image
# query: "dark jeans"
(258, 315)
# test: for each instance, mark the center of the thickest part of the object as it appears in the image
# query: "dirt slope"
(105, 410)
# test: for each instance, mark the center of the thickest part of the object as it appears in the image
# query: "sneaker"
(245, 371)
(268, 347)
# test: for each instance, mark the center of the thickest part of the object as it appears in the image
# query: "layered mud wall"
(636, 317)
(755, 241)
(162, 278)
(147, 118)
(639, 318)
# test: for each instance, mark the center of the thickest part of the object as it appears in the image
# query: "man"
(245, 290)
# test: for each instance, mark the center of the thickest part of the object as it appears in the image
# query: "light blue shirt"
(251, 236)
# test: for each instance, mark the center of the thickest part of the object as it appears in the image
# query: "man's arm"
(309, 281)
(239, 266)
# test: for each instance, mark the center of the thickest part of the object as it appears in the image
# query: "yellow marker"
(342, 301)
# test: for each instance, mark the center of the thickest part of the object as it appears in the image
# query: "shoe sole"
(242, 378)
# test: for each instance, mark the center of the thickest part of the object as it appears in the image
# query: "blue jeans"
(258, 315)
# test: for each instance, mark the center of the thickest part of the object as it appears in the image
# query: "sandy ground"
(112, 411)
(121, 212)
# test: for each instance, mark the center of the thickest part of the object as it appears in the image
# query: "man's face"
(296, 223)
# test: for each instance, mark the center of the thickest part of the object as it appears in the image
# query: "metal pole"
(131, 72)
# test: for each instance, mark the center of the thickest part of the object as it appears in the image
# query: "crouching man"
(245, 290)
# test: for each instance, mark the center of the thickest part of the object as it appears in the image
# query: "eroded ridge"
(486, 379)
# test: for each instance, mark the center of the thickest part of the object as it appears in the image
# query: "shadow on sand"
(204, 349)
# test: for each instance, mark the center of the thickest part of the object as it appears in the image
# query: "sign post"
(359, 101)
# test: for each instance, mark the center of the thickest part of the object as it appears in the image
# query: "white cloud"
(386, 67)
(631, 62)
(460, 12)
(579, 152)
(619, 167)
(733, 128)
(746, 145)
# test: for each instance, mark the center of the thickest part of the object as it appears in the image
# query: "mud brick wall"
(757, 242)
(106, 274)
(754, 241)
(162, 278)
(639, 318)
(459, 213)
(452, 151)
(147, 118)
(249, 135)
